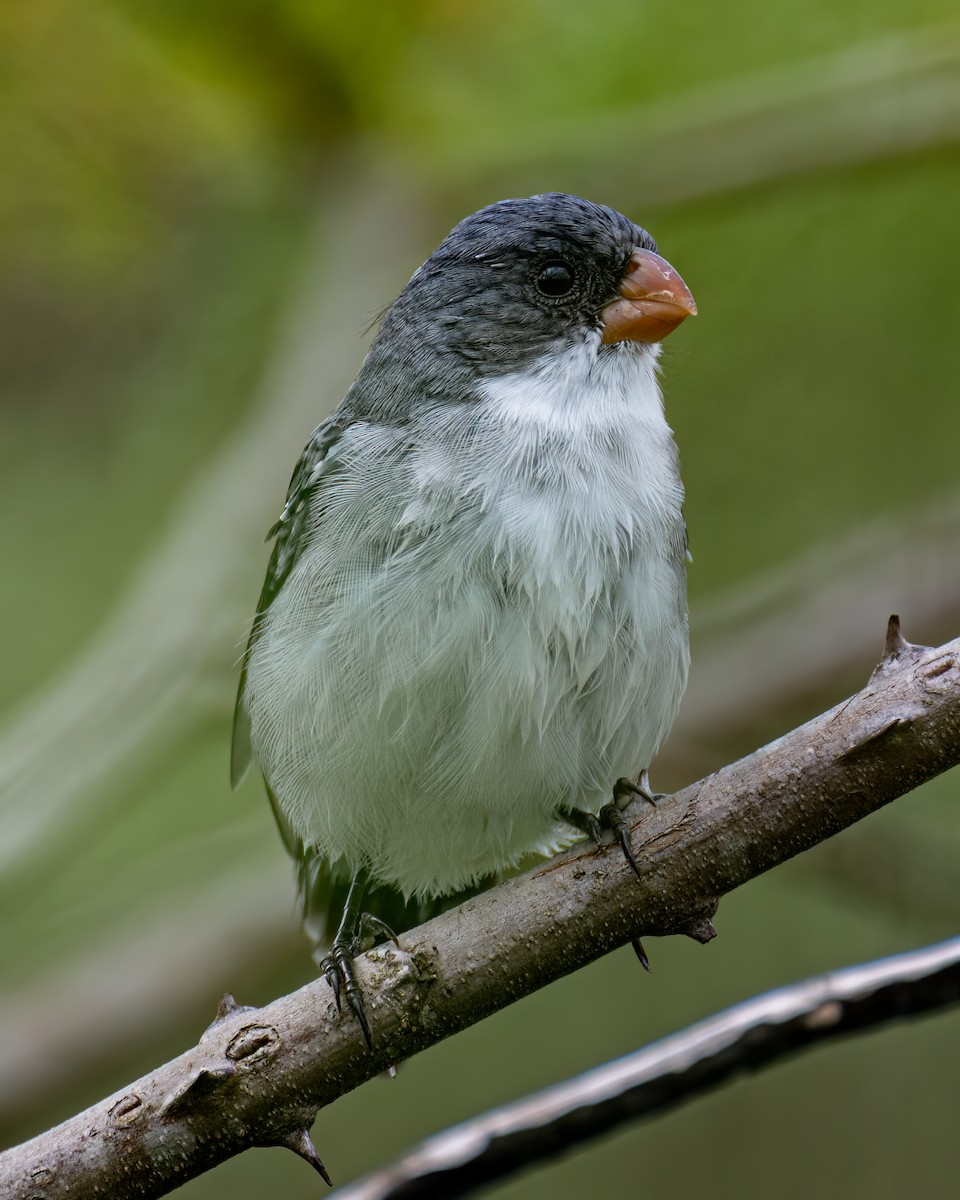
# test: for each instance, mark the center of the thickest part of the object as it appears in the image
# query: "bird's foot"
(611, 817)
(625, 789)
(337, 966)
(380, 929)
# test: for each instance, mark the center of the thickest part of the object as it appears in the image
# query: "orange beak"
(654, 300)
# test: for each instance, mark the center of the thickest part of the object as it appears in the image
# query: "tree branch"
(747, 1037)
(259, 1076)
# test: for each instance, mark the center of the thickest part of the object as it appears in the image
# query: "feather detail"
(315, 461)
(474, 623)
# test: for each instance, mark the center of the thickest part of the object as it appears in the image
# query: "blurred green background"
(202, 209)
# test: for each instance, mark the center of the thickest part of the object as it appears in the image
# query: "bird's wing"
(289, 537)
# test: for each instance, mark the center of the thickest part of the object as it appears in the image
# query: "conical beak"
(654, 300)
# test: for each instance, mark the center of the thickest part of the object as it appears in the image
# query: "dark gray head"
(509, 284)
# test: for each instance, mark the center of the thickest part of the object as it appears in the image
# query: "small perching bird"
(474, 620)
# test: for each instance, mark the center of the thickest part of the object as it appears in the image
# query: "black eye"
(556, 279)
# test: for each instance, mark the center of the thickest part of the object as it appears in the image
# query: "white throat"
(588, 429)
(580, 392)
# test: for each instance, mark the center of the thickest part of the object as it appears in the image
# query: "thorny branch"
(259, 1076)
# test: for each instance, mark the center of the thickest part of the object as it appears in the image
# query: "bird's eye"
(556, 279)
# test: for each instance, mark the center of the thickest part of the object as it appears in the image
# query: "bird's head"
(522, 277)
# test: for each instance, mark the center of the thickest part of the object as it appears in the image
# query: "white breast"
(488, 627)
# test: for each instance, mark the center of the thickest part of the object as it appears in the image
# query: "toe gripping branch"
(337, 966)
(611, 817)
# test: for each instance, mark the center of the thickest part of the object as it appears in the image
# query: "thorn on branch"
(226, 1008)
(868, 743)
(302, 1145)
(196, 1091)
(896, 648)
(701, 930)
(896, 643)
(699, 926)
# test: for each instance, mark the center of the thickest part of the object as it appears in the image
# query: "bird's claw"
(613, 819)
(625, 788)
(337, 967)
(641, 954)
(369, 922)
(610, 817)
(333, 978)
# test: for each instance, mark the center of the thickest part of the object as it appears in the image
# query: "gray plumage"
(474, 618)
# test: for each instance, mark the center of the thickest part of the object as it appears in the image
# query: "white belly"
(487, 628)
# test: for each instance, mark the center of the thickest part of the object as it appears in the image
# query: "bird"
(473, 630)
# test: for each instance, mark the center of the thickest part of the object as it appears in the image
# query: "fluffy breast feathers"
(484, 623)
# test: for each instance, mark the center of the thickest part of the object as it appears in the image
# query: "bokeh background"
(202, 209)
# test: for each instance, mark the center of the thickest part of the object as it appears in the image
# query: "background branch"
(758, 1033)
(258, 1076)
